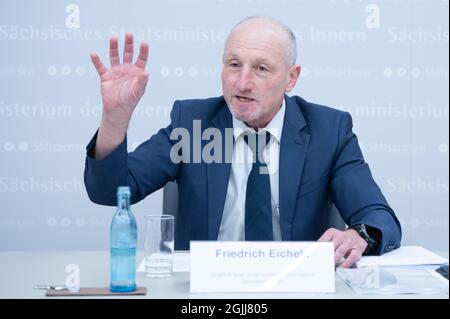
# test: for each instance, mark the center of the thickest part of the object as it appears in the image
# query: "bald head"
(257, 25)
(258, 69)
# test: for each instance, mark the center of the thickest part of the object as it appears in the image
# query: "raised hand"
(122, 85)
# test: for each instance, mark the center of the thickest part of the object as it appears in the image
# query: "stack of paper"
(403, 256)
(407, 270)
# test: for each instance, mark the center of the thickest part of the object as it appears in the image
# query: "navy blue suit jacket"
(320, 161)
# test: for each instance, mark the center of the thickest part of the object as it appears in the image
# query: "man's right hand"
(122, 86)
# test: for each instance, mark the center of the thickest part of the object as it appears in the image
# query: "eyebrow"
(229, 56)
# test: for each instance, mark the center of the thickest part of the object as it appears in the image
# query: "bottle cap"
(123, 189)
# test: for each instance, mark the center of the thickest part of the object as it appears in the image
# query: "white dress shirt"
(232, 226)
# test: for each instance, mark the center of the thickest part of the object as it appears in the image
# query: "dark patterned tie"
(258, 207)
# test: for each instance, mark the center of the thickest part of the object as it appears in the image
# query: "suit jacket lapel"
(218, 175)
(293, 150)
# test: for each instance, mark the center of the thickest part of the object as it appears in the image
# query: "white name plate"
(243, 266)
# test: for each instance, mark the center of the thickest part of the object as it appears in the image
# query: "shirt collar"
(275, 126)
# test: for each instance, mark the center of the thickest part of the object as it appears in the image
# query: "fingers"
(98, 64)
(328, 235)
(114, 51)
(343, 249)
(351, 259)
(128, 50)
(143, 55)
(342, 243)
(348, 246)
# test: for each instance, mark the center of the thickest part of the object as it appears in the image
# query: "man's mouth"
(244, 98)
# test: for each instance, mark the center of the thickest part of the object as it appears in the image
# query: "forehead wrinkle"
(263, 46)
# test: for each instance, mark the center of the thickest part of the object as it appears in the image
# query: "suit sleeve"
(355, 193)
(145, 170)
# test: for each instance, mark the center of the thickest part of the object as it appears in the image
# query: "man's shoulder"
(310, 109)
(319, 118)
(201, 108)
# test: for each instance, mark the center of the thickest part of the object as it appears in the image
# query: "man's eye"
(262, 68)
(234, 65)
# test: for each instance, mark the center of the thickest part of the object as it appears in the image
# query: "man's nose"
(246, 81)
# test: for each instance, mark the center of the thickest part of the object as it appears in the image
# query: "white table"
(22, 270)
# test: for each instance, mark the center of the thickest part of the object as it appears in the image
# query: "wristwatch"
(372, 244)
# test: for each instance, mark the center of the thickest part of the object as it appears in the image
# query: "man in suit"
(306, 156)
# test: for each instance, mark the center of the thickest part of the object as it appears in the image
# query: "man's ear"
(294, 74)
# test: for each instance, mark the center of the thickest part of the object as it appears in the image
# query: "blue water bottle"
(123, 244)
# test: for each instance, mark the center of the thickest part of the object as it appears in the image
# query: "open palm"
(122, 85)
